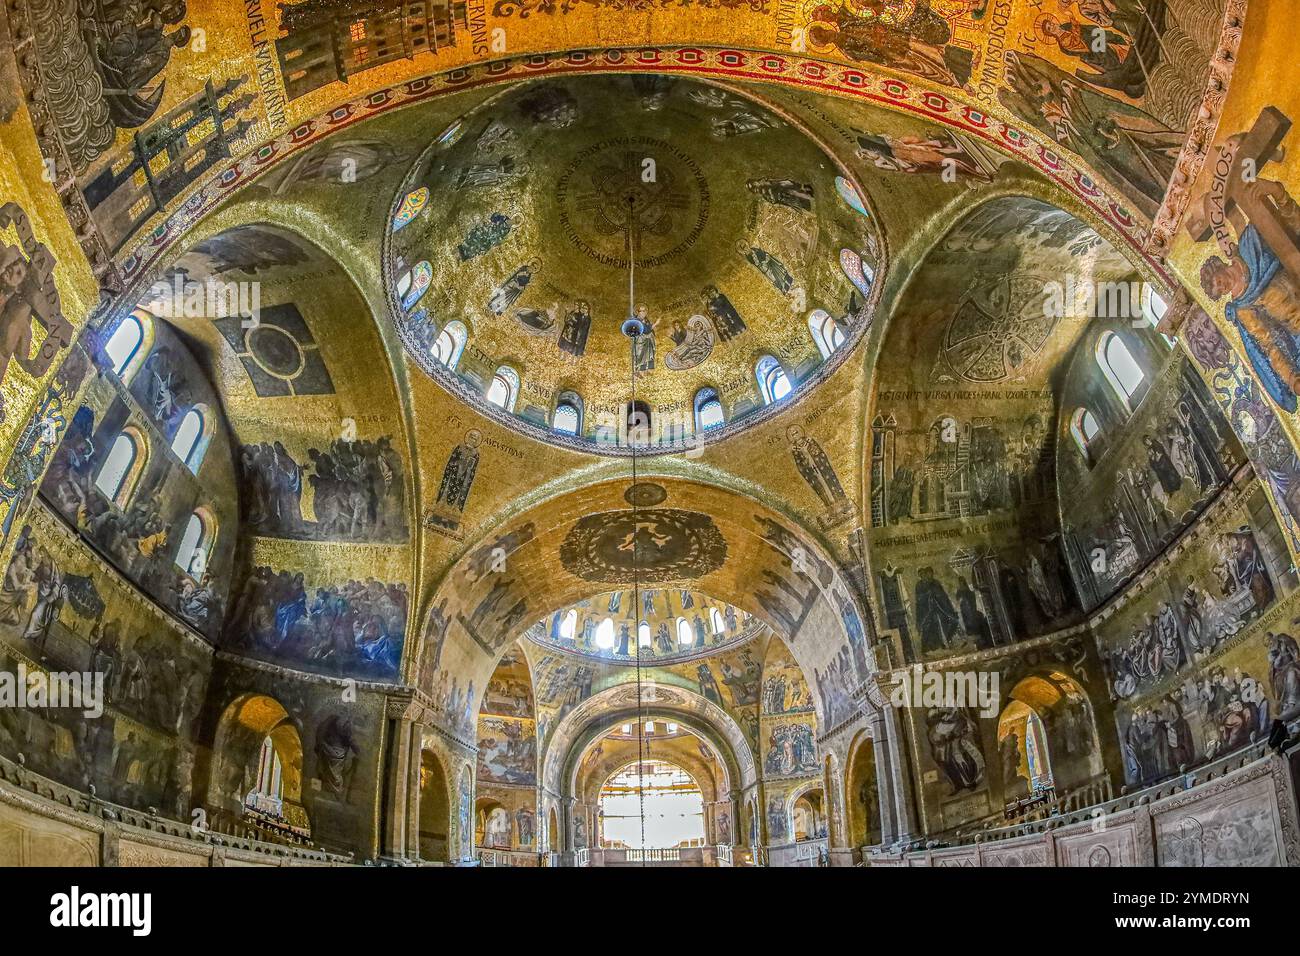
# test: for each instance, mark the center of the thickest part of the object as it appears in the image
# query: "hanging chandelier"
(634, 327)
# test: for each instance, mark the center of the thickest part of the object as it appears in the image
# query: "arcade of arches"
(946, 501)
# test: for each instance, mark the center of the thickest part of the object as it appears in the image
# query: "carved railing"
(818, 850)
(1093, 800)
(655, 855)
(802, 853)
(722, 853)
(1095, 790)
(500, 856)
(219, 830)
(256, 826)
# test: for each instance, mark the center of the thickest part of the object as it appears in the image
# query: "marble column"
(397, 794)
(897, 815)
(566, 848)
(414, 764)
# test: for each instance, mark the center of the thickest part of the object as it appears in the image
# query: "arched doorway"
(506, 767)
(808, 816)
(864, 796)
(258, 768)
(653, 805)
(1047, 738)
(435, 809)
(492, 826)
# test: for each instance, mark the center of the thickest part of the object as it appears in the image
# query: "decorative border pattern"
(47, 138)
(893, 93)
(1205, 124)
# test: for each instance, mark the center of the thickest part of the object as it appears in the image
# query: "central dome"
(530, 230)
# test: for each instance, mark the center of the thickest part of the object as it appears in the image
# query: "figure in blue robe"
(1263, 265)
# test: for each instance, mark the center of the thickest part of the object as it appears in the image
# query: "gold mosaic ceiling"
(537, 201)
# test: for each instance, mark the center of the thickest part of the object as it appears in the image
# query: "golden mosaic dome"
(566, 206)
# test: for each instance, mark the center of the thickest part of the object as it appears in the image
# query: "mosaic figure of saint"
(577, 324)
(726, 320)
(507, 293)
(783, 192)
(458, 475)
(643, 346)
(772, 268)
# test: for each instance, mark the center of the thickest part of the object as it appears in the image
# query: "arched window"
(708, 410)
(643, 634)
(857, 270)
(569, 625)
(504, 388)
(450, 343)
(1021, 733)
(825, 331)
(451, 133)
(188, 438)
(773, 383)
(715, 618)
(1036, 755)
(196, 546)
(127, 346)
(651, 804)
(1154, 308)
(684, 635)
(419, 281)
(413, 204)
(638, 423)
(1084, 428)
(849, 193)
(1120, 367)
(605, 634)
(414, 283)
(566, 418)
(267, 794)
(117, 476)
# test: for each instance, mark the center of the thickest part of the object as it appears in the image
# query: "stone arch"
(579, 729)
(595, 776)
(808, 800)
(245, 724)
(552, 830)
(1064, 734)
(305, 352)
(863, 793)
(490, 820)
(435, 808)
(474, 613)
